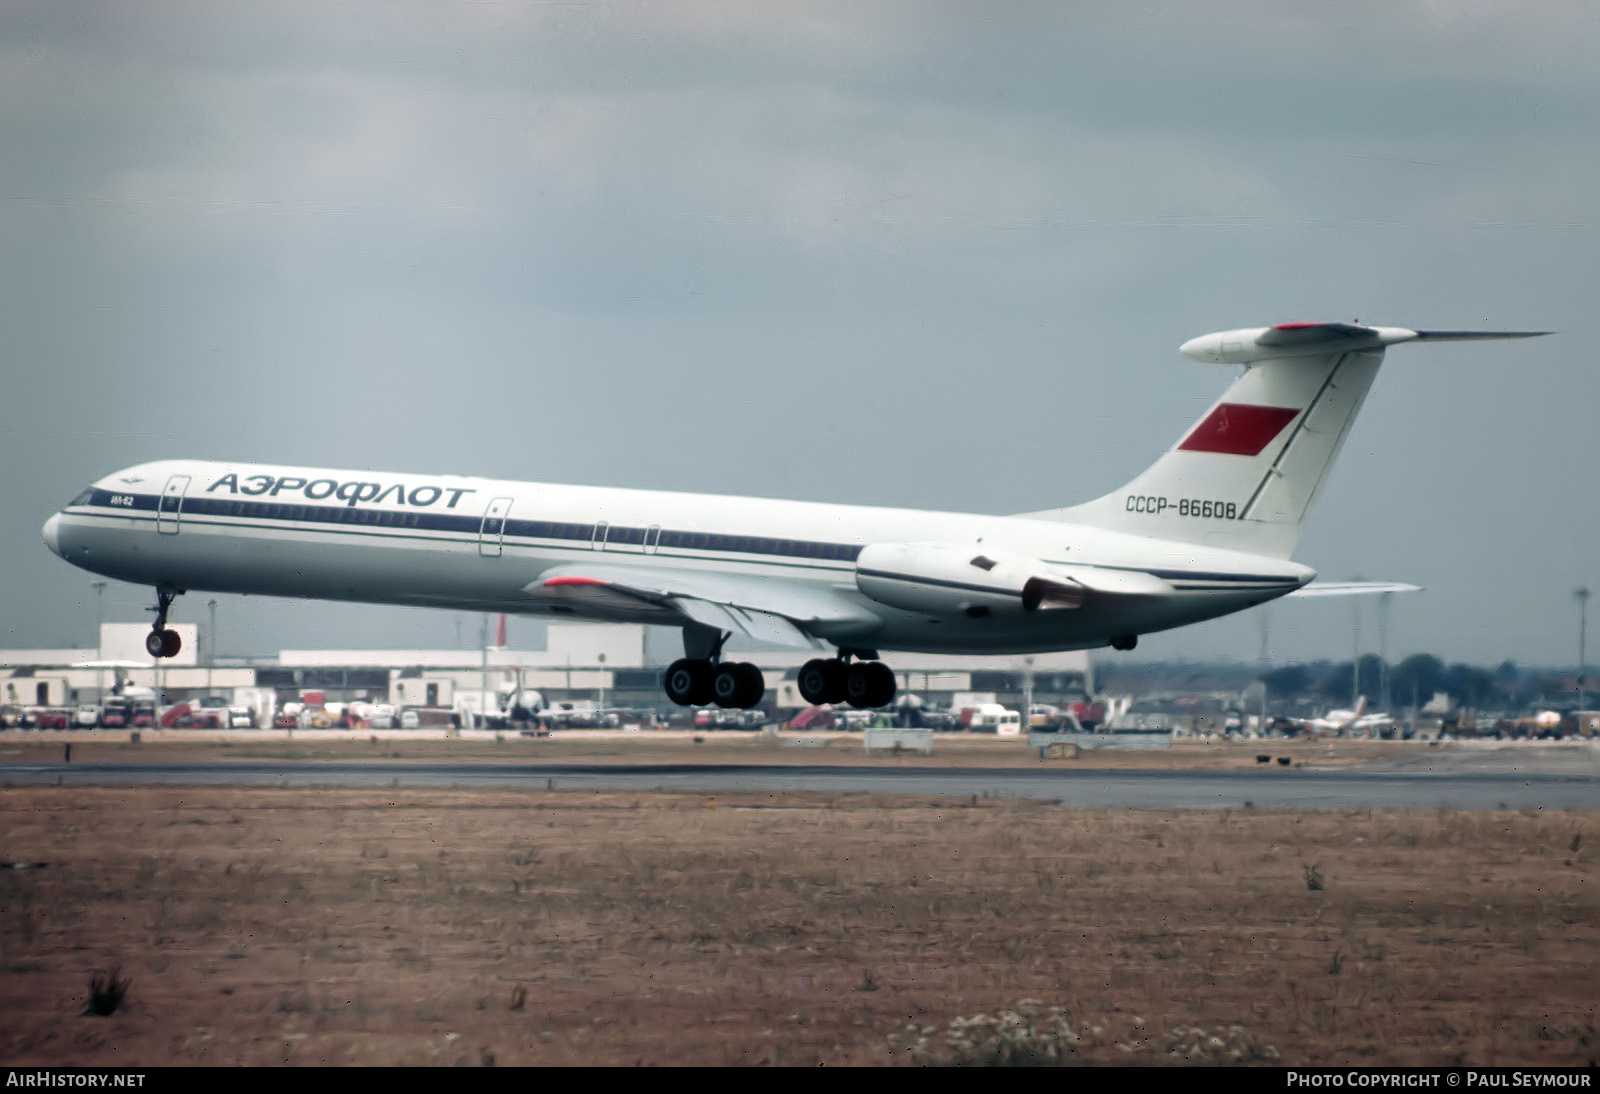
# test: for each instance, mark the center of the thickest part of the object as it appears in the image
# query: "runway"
(1265, 788)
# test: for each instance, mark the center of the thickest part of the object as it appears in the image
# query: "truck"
(115, 711)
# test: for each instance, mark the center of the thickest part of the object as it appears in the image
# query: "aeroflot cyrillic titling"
(351, 493)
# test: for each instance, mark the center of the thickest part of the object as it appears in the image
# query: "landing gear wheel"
(738, 685)
(688, 682)
(821, 681)
(1124, 641)
(869, 684)
(163, 643)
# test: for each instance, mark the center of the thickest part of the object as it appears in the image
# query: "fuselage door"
(492, 533)
(169, 510)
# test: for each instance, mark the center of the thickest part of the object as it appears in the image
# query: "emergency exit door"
(169, 510)
(492, 533)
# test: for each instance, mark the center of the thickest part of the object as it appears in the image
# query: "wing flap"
(768, 610)
(761, 626)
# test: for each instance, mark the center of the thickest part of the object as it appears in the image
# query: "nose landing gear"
(161, 642)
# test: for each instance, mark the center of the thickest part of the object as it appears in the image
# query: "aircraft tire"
(738, 685)
(884, 686)
(163, 643)
(869, 684)
(755, 685)
(821, 681)
(688, 682)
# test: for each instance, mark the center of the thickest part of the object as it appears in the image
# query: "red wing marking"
(556, 582)
(1238, 429)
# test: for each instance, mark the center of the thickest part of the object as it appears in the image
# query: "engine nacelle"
(947, 579)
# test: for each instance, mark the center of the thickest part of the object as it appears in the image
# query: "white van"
(994, 718)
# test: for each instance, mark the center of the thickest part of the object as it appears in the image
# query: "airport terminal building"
(609, 665)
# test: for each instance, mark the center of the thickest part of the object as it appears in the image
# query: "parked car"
(87, 716)
(51, 718)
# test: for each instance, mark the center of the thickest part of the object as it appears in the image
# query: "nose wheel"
(161, 642)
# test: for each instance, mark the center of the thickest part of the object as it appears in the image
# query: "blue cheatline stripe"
(354, 518)
(466, 523)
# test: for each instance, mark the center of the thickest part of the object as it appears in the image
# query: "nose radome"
(51, 533)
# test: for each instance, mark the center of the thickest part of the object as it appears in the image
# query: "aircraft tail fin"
(1246, 475)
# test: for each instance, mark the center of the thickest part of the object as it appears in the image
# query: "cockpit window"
(84, 498)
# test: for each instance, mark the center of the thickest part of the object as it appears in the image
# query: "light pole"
(99, 588)
(1581, 595)
(483, 682)
(1355, 656)
(211, 644)
(1027, 695)
(1383, 649)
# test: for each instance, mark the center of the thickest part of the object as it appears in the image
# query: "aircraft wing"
(1354, 588)
(765, 609)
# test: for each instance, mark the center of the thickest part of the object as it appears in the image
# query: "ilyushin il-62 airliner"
(1207, 530)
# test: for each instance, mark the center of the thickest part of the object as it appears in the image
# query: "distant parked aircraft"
(1348, 721)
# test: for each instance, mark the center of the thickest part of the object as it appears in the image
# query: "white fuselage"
(479, 544)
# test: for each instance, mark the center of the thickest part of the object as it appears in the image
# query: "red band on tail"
(1238, 429)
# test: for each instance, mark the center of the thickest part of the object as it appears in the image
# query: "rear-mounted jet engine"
(949, 579)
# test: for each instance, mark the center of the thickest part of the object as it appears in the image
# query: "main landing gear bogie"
(694, 682)
(862, 684)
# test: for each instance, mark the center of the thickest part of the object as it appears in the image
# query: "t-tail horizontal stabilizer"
(1246, 475)
(1355, 588)
(1251, 344)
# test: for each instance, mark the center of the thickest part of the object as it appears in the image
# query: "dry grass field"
(268, 926)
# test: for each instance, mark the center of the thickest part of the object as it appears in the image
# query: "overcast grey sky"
(937, 255)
